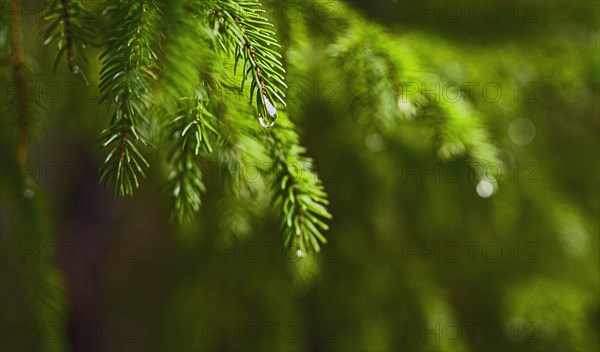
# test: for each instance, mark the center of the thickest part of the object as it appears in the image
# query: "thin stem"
(250, 49)
(20, 85)
(68, 36)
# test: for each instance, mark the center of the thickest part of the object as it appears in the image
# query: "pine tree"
(189, 82)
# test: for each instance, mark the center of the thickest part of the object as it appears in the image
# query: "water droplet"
(485, 188)
(299, 253)
(403, 103)
(270, 108)
(266, 123)
(76, 69)
(29, 193)
(521, 131)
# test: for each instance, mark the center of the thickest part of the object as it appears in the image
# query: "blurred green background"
(423, 255)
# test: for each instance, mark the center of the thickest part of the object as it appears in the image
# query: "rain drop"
(403, 104)
(407, 110)
(29, 193)
(485, 188)
(299, 253)
(270, 108)
(266, 123)
(76, 69)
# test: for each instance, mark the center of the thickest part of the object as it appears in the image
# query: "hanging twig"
(18, 57)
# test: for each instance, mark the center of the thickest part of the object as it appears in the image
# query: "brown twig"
(68, 36)
(20, 85)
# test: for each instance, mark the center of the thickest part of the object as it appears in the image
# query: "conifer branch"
(66, 26)
(184, 57)
(43, 283)
(68, 34)
(190, 130)
(184, 105)
(125, 80)
(243, 156)
(40, 281)
(377, 70)
(240, 152)
(298, 191)
(245, 34)
(18, 56)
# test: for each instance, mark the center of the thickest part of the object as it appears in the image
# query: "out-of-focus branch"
(18, 57)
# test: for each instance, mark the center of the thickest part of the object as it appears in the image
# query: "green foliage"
(390, 84)
(190, 131)
(68, 27)
(246, 35)
(43, 282)
(193, 77)
(163, 69)
(127, 75)
(297, 191)
(38, 279)
(129, 67)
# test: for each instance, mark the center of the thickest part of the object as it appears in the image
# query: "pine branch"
(126, 77)
(245, 34)
(376, 71)
(66, 19)
(458, 131)
(297, 191)
(183, 102)
(43, 282)
(190, 130)
(185, 56)
(242, 156)
(18, 56)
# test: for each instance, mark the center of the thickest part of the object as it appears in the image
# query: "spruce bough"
(205, 80)
(146, 81)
